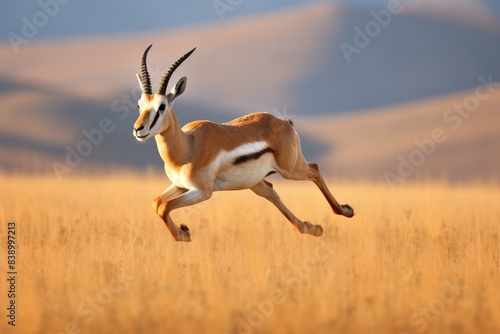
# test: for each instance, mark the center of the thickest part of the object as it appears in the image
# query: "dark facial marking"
(154, 120)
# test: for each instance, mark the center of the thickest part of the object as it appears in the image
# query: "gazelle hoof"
(184, 234)
(347, 210)
(314, 230)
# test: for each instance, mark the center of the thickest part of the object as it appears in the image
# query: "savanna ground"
(93, 257)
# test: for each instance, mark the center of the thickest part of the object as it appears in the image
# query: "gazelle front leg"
(170, 193)
(187, 198)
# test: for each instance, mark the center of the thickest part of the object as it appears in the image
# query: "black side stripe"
(252, 156)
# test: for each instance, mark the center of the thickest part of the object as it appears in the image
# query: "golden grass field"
(93, 257)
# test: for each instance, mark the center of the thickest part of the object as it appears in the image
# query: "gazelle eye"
(162, 107)
(138, 107)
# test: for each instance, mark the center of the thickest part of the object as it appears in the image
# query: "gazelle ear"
(178, 89)
(140, 81)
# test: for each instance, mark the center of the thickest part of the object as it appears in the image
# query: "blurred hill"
(288, 62)
(400, 141)
(72, 18)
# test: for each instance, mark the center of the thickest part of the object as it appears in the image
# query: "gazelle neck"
(173, 143)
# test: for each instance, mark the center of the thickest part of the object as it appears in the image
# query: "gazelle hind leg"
(315, 176)
(265, 189)
(310, 171)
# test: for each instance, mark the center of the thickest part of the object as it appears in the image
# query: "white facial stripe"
(155, 103)
(153, 124)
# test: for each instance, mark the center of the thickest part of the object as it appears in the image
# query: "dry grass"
(94, 258)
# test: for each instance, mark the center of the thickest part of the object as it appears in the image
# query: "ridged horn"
(162, 88)
(145, 80)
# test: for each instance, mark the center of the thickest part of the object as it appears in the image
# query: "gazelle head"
(155, 109)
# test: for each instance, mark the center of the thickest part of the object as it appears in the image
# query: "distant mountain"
(292, 63)
(415, 56)
(296, 58)
(96, 18)
(424, 140)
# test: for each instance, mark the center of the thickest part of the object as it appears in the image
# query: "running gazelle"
(203, 157)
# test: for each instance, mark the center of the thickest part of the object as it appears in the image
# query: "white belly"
(245, 175)
(226, 172)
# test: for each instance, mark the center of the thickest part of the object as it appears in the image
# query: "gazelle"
(203, 157)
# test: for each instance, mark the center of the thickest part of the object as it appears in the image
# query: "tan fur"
(200, 159)
(209, 138)
(190, 151)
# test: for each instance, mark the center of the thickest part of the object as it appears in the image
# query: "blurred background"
(382, 90)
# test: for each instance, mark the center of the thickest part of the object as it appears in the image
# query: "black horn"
(162, 88)
(145, 80)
